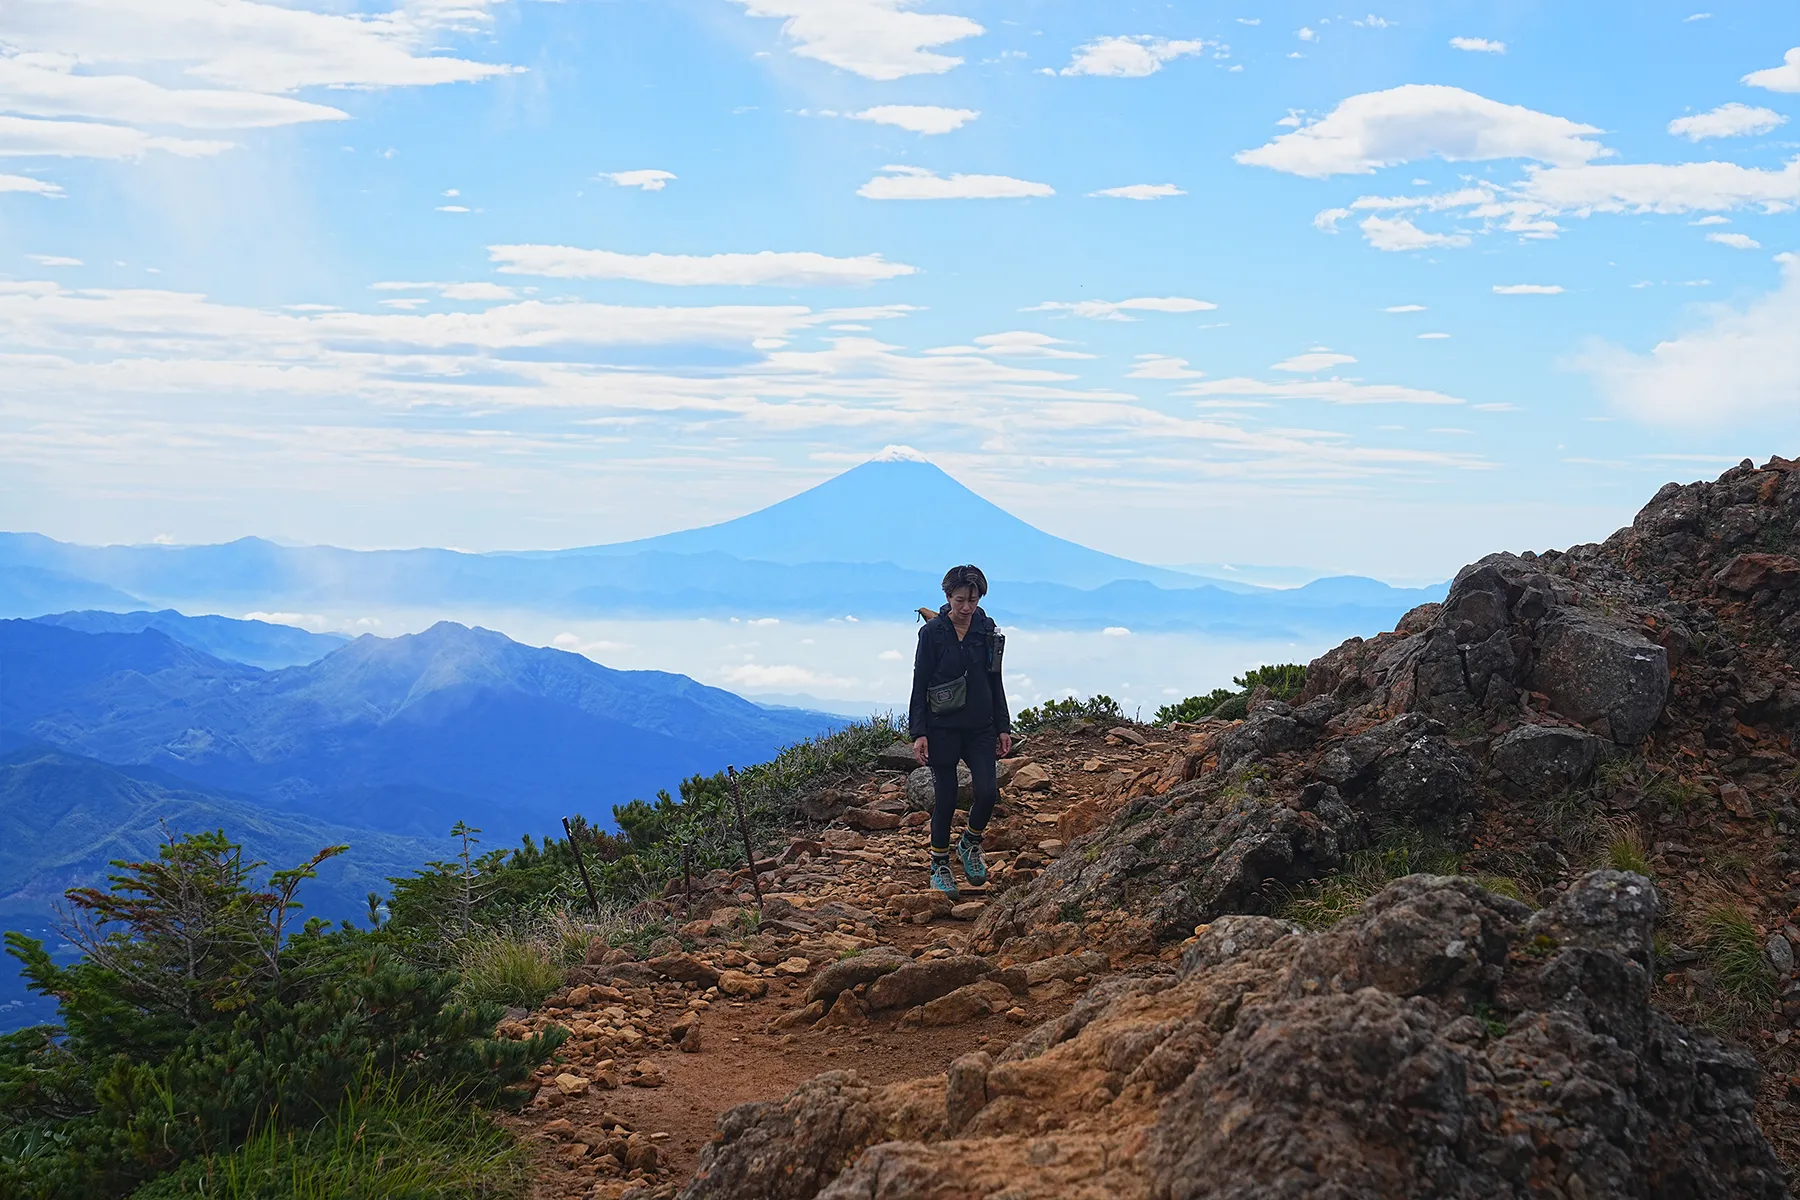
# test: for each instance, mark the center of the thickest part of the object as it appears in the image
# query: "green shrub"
(1284, 681)
(191, 1021)
(1099, 708)
(381, 1147)
(1194, 707)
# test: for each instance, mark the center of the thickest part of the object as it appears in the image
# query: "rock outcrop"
(1446, 1041)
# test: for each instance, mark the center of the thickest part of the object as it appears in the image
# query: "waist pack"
(949, 697)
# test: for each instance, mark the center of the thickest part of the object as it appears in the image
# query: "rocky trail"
(727, 1010)
(1504, 903)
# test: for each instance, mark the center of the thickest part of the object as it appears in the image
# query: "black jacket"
(940, 658)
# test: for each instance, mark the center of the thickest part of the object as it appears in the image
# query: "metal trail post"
(737, 798)
(582, 867)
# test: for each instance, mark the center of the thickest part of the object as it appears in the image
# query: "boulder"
(920, 794)
(742, 986)
(846, 973)
(1754, 572)
(898, 756)
(968, 1002)
(1606, 676)
(1438, 1043)
(684, 968)
(921, 981)
(1547, 758)
(1031, 777)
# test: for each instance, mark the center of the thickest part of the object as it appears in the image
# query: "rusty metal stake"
(582, 867)
(737, 798)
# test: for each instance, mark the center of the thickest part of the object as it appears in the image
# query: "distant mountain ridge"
(403, 735)
(829, 551)
(832, 523)
(258, 643)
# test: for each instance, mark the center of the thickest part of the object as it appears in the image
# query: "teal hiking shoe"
(969, 852)
(941, 878)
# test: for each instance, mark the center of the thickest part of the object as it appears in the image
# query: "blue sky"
(1375, 290)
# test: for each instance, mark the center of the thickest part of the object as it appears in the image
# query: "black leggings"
(978, 748)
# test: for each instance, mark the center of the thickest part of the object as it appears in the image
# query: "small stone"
(571, 1085)
(968, 910)
(844, 839)
(645, 1075)
(559, 1126)
(800, 1016)
(578, 996)
(573, 1151)
(1781, 954)
(1032, 777)
(795, 967)
(606, 1075)
(871, 819)
(684, 968)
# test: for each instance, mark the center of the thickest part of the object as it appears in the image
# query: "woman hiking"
(958, 712)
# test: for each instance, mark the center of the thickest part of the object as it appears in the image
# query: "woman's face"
(962, 604)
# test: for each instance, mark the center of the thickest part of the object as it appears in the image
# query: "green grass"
(1626, 851)
(506, 968)
(1734, 951)
(379, 1148)
(1674, 792)
(1330, 900)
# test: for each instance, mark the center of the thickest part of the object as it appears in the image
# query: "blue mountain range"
(832, 550)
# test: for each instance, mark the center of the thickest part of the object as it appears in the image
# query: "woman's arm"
(916, 711)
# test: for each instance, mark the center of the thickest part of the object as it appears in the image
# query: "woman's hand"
(921, 751)
(1006, 745)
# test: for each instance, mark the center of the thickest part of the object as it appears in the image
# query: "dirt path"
(632, 1110)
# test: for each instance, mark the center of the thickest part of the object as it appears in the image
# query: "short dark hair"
(966, 576)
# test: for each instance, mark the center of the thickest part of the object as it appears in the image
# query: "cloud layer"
(783, 268)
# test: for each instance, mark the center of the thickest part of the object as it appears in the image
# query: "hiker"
(958, 712)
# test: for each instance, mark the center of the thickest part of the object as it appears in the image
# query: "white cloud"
(54, 260)
(1162, 366)
(1017, 343)
(24, 183)
(1398, 233)
(1737, 241)
(1416, 121)
(1660, 187)
(648, 180)
(256, 47)
(20, 136)
(1328, 391)
(1477, 45)
(1727, 120)
(1528, 289)
(1713, 219)
(452, 208)
(1129, 57)
(891, 656)
(1141, 191)
(877, 39)
(47, 86)
(1306, 35)
(759, 675)
(1404, 308)
(1432, 337)
(1741, 366)
(925, 119)
(1120, 310)
(1116, 631)
(1327, 221)
(475, 291)
(918, 183)
(789, 268)
(1313, 361)
(1700, 16)
(1785, 78)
